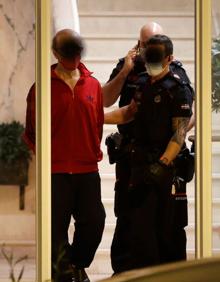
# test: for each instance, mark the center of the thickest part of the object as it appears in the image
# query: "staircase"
(110, 29)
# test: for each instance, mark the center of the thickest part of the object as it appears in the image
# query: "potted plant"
(14, 157)
(13, 263)
(216, 75)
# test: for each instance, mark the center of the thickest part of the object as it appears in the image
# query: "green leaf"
(12, 147)
(216, 75)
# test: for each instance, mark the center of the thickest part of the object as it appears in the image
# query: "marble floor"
(29, 272)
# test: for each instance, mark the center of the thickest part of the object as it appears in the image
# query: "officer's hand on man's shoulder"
(133, 106)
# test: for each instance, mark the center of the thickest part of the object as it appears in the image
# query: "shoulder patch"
(178, 69)
(176, 76)
(177, 63)
(172, 81)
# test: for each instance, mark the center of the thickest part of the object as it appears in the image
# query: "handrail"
(215, 138)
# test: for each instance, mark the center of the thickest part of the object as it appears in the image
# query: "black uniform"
(120, 249)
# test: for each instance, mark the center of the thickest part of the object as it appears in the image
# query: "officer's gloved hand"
(159, 174)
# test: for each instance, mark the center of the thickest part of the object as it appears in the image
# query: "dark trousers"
(150, 224)
(76, 195)
(120, 247)
(180, 221)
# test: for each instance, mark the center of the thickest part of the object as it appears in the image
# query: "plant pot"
(15, 173)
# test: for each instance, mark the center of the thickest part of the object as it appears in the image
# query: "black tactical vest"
(152, 127)
(129, 88)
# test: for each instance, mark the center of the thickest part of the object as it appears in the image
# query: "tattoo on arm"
(180, 129)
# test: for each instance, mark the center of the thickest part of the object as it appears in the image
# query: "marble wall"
(17, 71)
(17, 48)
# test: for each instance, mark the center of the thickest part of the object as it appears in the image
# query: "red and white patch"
(185, 107)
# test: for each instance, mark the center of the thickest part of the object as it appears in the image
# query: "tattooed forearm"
(180, 129)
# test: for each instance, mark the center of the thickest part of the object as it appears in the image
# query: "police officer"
(122, 83)
(164, 108)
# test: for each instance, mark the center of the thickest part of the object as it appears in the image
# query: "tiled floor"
(29, 272)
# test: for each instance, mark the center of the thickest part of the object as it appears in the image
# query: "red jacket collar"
(82, 68)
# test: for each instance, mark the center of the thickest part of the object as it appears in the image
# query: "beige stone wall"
(17, 56)
(17, 70)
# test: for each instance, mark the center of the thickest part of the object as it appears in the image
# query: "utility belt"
(120, 147)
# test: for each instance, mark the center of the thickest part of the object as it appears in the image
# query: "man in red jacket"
(76, 130)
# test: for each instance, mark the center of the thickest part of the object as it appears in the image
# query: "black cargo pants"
(120, 247)
(76, 195)
(180, 221)
(137, 213)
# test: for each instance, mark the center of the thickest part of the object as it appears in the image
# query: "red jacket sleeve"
(29, 133)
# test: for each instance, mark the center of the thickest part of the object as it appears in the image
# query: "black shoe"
(66, 275)
(79, 275)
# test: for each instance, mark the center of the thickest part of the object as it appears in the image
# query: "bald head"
(67, 43)
(148, 30)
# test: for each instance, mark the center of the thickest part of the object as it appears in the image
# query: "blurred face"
(70, 64)
(156, 61)
(144, 36)
(68, 49)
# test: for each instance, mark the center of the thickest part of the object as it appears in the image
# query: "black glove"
(159, 174)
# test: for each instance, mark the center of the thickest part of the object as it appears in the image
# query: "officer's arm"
(121, 115)
(179, 125)
(111, 90)
(192, 119)
(29, 133)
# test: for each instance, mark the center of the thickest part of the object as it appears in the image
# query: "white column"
(43, 140)
(65, 15)
(203, 130)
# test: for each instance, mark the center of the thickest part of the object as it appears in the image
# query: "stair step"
(17, 226)
(136, 14)
(29, 271)
(102, 69)
(19, 248)
(132, 5)
(190, 231)
(117, 46)
(108, 183)
(102, 265)
(117, 22)
(110, 218)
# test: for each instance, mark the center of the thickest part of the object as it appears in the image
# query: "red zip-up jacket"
(76, 123)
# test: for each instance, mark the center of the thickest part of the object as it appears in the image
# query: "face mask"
(70, 64)
(154, 69)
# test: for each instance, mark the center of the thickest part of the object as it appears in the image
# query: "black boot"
(79, 275)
